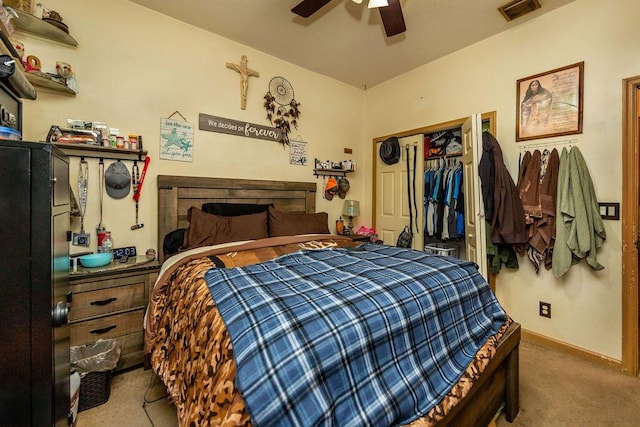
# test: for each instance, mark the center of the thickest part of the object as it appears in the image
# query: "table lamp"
(351, 208)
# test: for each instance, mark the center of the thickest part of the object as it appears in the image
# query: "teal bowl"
(96, 260)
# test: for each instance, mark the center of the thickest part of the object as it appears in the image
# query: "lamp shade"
(351, 208)
(378, 3)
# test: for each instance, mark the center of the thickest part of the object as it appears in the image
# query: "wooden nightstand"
(110, 302)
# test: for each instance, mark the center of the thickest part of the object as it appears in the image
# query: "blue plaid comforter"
(368, 337)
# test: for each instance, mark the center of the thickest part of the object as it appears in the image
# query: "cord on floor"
(146, 400)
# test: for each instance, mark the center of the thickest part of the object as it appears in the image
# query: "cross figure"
(245, 73)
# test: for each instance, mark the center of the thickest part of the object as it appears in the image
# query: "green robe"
(579, 227)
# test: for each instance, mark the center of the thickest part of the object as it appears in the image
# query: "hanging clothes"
(443, 202)
(529, 186)
(504, 213)
(543, 237)
(537, 182)
(580, 231)
(500, 195)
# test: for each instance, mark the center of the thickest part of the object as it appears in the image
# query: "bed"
(190, 340)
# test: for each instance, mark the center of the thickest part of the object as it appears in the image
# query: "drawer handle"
(103, 330)
(104, 301)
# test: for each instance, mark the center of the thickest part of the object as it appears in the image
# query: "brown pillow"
(206, 229)
(289, 224)
(248, 227)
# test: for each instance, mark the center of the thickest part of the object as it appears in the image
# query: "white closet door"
(392, 206)
(475, 229)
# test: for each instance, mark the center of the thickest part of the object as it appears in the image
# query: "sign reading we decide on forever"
(235, 127)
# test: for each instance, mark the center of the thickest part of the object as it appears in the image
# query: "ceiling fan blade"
(306, 8)
(392, 18)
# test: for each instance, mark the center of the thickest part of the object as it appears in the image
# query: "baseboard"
(571, 349)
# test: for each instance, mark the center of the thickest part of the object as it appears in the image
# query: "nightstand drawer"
(104, 301)
(89, 331)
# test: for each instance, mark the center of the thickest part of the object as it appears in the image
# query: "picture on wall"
(297, 152)
(176, 140)
(550, 103)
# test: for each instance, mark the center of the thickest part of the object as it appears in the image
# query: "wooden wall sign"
(238, 128)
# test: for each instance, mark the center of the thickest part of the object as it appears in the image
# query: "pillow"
(248, 227)
(206, 229)
(173, 241)
(233, 209)
(289, 224)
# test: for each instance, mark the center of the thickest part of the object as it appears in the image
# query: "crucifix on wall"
(245, 73)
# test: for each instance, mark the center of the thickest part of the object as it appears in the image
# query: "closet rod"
(549, 143)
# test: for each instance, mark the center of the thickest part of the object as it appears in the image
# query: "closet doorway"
(388, 180)
(630, 221)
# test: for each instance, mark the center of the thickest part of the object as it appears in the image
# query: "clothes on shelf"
(443, 199)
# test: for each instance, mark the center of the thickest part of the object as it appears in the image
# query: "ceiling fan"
(390, 12)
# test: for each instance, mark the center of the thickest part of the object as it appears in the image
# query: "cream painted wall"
(586, 305)
(135, 66)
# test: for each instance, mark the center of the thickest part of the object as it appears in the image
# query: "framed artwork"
(550, 103)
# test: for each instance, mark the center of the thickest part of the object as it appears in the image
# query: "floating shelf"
(30, 24)
(331, 172)
(98, 152)
(40, 81)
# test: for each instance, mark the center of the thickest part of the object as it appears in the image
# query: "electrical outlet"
(545, 309)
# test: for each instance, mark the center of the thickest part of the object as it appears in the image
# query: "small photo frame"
(550, 103)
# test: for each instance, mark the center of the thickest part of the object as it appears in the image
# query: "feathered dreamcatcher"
(282, 108)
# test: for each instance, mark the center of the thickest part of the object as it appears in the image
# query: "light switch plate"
(609, 211)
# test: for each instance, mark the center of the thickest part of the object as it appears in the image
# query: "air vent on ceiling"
(517, 8)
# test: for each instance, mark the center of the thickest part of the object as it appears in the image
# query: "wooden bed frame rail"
(497, 387)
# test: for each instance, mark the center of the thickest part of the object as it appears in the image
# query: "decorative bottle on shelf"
(107, 243)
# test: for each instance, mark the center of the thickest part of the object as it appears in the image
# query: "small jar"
(120, 142)
(133, 140)
(107, 243)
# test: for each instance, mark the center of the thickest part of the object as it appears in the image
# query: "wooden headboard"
(176, 194)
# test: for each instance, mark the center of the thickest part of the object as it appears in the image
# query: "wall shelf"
(331, 172)
(18, 81)
(30, 24)
(97, 152)
(36, 79)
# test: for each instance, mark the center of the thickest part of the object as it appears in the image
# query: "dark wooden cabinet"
(34, 285)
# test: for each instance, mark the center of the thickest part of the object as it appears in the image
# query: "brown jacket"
(538, 186)
(508, 221)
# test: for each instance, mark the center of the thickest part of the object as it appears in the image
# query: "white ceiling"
(345, 40)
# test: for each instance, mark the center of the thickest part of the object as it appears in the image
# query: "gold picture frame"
(550, 103)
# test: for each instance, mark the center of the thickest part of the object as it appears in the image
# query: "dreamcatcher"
(282, 108)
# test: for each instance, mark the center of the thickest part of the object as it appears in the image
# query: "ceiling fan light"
(378, 3)
(357, 1)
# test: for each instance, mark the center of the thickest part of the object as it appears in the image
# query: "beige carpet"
(129, 391)
(559, 389)
(556, 389)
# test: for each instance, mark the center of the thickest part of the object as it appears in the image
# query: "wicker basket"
(448, 249)
(95, 388)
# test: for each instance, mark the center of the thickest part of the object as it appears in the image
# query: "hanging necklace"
(83, 183)
(101, 227)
